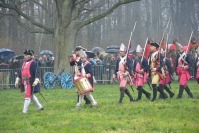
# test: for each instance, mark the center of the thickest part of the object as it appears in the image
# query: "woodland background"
(61, 25)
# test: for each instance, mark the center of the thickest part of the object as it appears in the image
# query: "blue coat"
(89, 69)
(35, 73)
(129, 65)
(144, 64)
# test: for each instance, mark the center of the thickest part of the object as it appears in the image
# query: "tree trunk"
(64, 40)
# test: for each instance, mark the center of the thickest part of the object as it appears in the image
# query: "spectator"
(14, 66)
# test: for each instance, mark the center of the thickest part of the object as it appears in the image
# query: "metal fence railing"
(103, 74)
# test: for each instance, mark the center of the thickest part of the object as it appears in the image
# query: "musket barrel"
(144, 49)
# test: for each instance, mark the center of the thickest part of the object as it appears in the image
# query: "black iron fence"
(102, 73)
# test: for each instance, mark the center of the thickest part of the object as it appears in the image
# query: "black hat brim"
(155, 45)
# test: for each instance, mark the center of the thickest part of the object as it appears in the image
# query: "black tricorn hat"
(154, 44)
(28, 52)
(78, 48)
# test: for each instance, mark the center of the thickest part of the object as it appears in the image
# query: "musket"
(144, 49)
(184, 59)
(129, 44)
(142, 60)
(189, 41)
(167, 41)
(159, 50)
(166, 52)
(163, 38)
(126, 56)
(127, 52)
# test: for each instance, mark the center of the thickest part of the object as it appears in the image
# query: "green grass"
(60, 114)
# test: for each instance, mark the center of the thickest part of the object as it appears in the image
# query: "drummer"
(76, 61)
(87, 72)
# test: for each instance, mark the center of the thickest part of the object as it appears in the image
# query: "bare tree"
(71, 16)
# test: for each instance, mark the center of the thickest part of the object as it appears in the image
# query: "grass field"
(61, 116)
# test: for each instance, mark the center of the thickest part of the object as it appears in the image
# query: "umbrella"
(46, 52)
(90, 54)
(113, 47)
(112, 50)
(7, 53)
(132, 52)
(19, 57)
(97, 50)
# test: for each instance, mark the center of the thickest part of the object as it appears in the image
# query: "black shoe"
(160, 96)
(172, 95)
(178, 97)
(165, 96)
(153, 100)
(138, 99)
(148, 96)
(41, 109)
(132, 100)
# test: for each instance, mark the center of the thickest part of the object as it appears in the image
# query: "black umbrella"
(7, 53)
(113, 47)
(112, 50)
(132, 52)
(46, 52)
(97, 50)
(19, 57)
(90, 54)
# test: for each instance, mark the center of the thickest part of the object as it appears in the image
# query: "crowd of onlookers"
(9, 69)
(14, 63)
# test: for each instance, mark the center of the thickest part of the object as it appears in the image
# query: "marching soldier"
(86, 71)
(140, 77)
(29, 79)
(167, 69)
(123, 71)
(155, 64)
(76, 61)
(183, 63)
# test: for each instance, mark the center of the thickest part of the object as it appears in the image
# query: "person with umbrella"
(29, 79)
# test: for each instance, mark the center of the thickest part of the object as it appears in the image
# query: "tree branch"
(19, 12)
(110, 10)
(30, 29)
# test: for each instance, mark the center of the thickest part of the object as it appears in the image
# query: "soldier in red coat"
(77, 62)
(183, 64)
(155, 63)
(140, 69)
(29, 79)
(123, 72)
(193, 45)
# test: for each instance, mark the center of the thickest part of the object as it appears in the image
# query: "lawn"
(60, 115)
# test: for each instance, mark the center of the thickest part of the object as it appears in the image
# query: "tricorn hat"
(78, 48)
(154, 44)
(28, 52)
